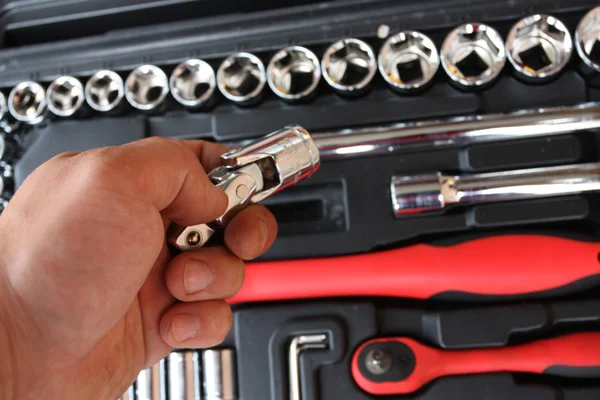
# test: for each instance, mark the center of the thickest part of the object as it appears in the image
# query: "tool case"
(346, 210)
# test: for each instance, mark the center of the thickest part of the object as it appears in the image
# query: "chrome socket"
(193, 84)
(587, 43)
(27, 103)
(473, 55)
(146, 88)
(184, 375)
(539, 47)
(348, 66)
(104, 92)
(241, 78)
(65, 96)
(294, 73)
(408, 61)
(219, 374)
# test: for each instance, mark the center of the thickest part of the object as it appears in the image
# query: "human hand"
(89, 292)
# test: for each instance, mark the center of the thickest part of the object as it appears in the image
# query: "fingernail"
(184, 327)
(197, 276)
(264, 234)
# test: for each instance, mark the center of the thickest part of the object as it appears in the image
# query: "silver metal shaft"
(184, 375)
(151, 383)
(219, 374)
(416, 194)
(462, 131)
(297, 346)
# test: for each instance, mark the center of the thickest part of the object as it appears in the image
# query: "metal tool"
(27, 102)
(241, 78)
(298, 345)
(408, 61)
(473, 55)
(539, 47)
(294, 73)
(219, 375)
(151, 383)
(104, 92)
(587, 41)
(184, 375)
(193, 84)
(3, 106)
(65, 96)
(414, 365)
(146, 87)
(457, 131)
(416, 194)
(129, 394)
(349, 66)
(251, 174)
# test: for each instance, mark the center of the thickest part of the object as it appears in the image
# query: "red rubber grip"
(580, 350)
(509, 265)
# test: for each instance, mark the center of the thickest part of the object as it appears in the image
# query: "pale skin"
(90, 293)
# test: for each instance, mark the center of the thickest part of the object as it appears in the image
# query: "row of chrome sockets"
(538, 47)
(188, 375)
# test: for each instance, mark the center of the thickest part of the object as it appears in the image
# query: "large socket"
(587, 44)
(104, 92)
(473, 55)
(27, 103)
(241, 78)
(193, 84)
(539, 47)
(349, 66)
(65, 96)
(294, 74)
(146, 88)
(408, 61)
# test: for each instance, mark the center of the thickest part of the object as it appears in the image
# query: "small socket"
(349, 66)
(65, 96)
(294, 73)
(241, 78)
(539, 47)
(193, 83)
(146, 87)
(3, 106)
(473, 55)
(27, 103)
(408, 61)
(587, 41)
(104, 91)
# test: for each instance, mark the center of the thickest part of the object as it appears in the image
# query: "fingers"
(205, 274)
(208, 153)
(251, 233)
(166, 173)
(196, 325)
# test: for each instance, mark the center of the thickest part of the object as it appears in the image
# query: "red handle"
(580, 350)
(496, 266)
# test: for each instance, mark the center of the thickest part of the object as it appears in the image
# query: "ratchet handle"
(411, 365)
(495, 268)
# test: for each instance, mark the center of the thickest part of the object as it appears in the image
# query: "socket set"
(537, 48)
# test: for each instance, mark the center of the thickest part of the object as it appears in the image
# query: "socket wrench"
(408, 61)
(193, 84)
(418, 194)
(104, 92)
(294, 74)
(298, 345)
(251, 174)
(27, 103)
(65, 96)
(349, 66)
(219, 375)
(151, 383)
(473, 55)
(184, 375)
(587, 42)
(241, 78)
(146, 88)
(539, 47)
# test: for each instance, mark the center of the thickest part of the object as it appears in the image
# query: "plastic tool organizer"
(346, 210)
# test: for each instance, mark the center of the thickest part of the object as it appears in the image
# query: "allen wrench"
(298, 345)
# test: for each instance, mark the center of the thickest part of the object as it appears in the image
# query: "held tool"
(499, 267)
(394, 366)
(251, 174)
